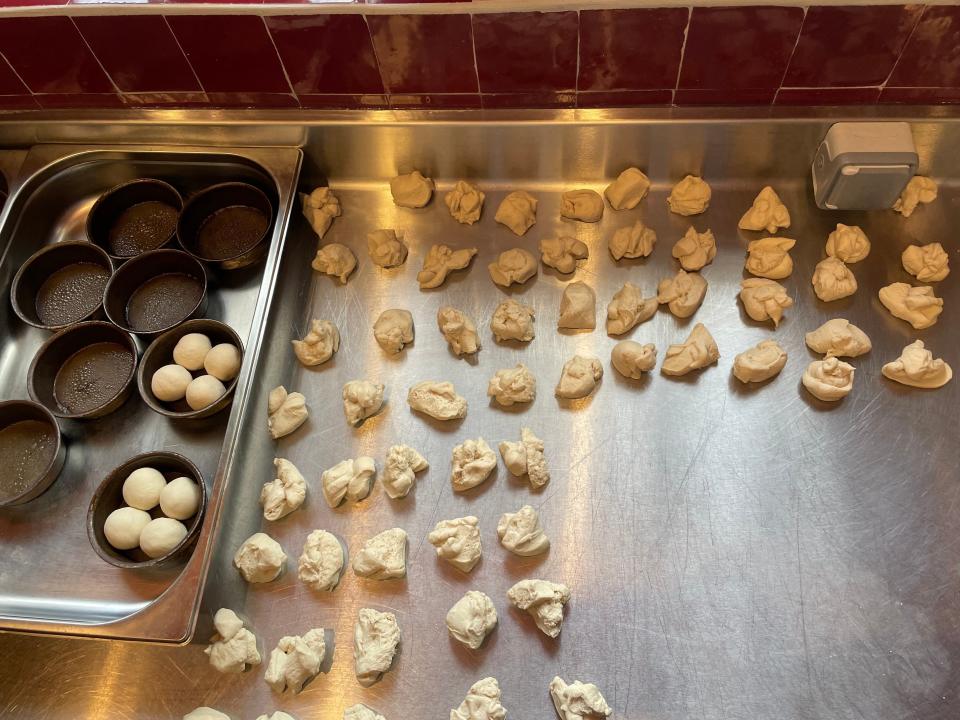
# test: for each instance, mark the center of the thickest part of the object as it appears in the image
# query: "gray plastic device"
(863, 165)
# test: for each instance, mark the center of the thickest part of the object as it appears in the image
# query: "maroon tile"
(424, 53)
(53, 101)
(252, 100)
(407, 2)
(530, 100)
(166, 99)
(31, 3)
(730, 96)
(70, 68)
(827, 96)
(18, 102)
(634, 49)
(739, 47)
(230, 53)
(526, 51)
(932, 55)
(10, 84)
(437, 101)
(326, 53)
(336, 102)
(623, 98)
(116, 2)
(920, 96)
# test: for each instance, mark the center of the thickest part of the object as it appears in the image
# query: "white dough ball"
(223, 361)
(180, 499)
(123, 526)
(161, 535)
(142, 488)
(190, 350)
(204, 391)
(169, 383)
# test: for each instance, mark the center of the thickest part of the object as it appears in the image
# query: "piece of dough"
(361, 399)
(285, 411)
(232, 647)
(361, 712)
(833, 280)
(928, 263)
(320, 208)
(375, 640)
(205, 713)
(285, 493)
(919, 190)
(458, 542)
(838, 338)
(513, 320)
(400, 472)
(319, 344)
(917, 367)
(764, 299)
(767, 213)
(626, 192)
(180, 498)
(223, 361)
(170, 383)
(563, 253)
(579, 377)
(698, 351)
(578, 701)
(513, 266)
(770, 257)
(161, 535)
(682, 293)
(915, 304)
(695, 249)
(584, 205)
(632, 241)
(761, 362)
(260, 558)
(439, 400)
(321, 562)
(513, 385)
(277, 715)
(518, 211)
(690, 196)
(295, 660)
(386, 248)
(465, 202)
(543, 600)
(526, 458)
(393, 329)
(471, 619)
(578, 307)
(141, 489)
(349, 479)
(204, 391)
(631, 359)
(458, 330)
(123, 526)
(472, 461)
(830, 379)
(440, 261)
(481, 703)
(521, 533)
(335, 259)
(628, 308)
(849, 243)
(382, 557)
(412, 190)
(190, 351)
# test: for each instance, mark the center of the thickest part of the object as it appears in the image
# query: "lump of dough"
(440, 262)
(513, 320)
(465, 202)
(320, 208)
(833, 280)
(472, 461)
(578, 701)
(628, 309)
(361, 712)
(403, 464)
(764, 299)
(518, 211)
(526, 458)
(928, 263)
(319, 344)
(698, 351)
(626, 192)
(205, 713)
(349, 479)
(233, 647)
(190, 351)
(690, 196)
(513, 385)
(578, 307)
(759, 363)
(584, 205)
(277, 715)
(386, 248)
(694, 250)
(375, 639)
(458, 330)
(260, 558)
(142, 488)
(321, 561)
(828, 379)
(170, 383)
(919, 190)
(285, 493)
(770, 257)
(471, 619)
(204, 391)
(631, 359)
(481, 703)
(285, 411)
(579, 377)
(849, 243)
(915, 304)
(458, 542)
(123, 526)
(361, 399)
(513, 266)
(439, 400)
(180, 498)
(335, 259)
(682, 293)
(393, 329)
(562, 253)
(917, 367)
(223, 361)
(295, 660)
(161, 535)
(383, 557)
(767, 213)
(543, 600)
(632, 241)
(521, 533)
(838, 338)
(412, 190)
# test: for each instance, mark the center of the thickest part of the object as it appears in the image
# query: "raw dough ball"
(631, 359)
(512, 321)
(698, 351)
(578, 701)
(295, 660)
(458, 542)
(928, 263)
(142, 488)
(513, 385)
(277, 715)
(393, 329)
(260, 558)
(223, 362)
(161, 535)
(458, 330)
(465, 202)
(759, 363)
(412, 190)
(917, 305)
(919, 190)
(321, 562)
(833, 280)
(361, 399)
(562, 253)
(513, 266)
(764, 299)
(180, 498)
(205, 713)
(526, 458)
(767, 213)
(917, 368)
(403, 464)
(170, 382)
(472, 462)
(585, 205)
(770, 258)
(204, 391)
(838, 338)
(123, 526)
(518, 211)
(829, 379)
(349, 479)
(579, 377)
(285, 411)
(375, 640)
(383, 556)
(285, 493)
(335, 259)
(440, 262)
(633, 241)
(628, 309)
(694, 250)
(439, 400)
(682, 293)
(543, 600)
(320, 208)
(361, 712)
(233, 647)
(481, 703)
(578, 307)
(190, 351)
(521, 533)
(690, 196)
(386, 248)
(471, 619)
(319, 345)
(849, 243)
(626, 192)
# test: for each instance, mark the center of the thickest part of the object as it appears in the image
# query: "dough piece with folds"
(361, 712)
(513, 320)
(579, 377)
(761, 362)
(383, 557)
(361, 399)
(513, 385)
(393, 329)
(764, 299)
(260, 558)
(440, 261)
(205, 713)
(320, 208)
(386, 248)
(348, 480)
(698, 351)
(849, 243)
(767, 213)
(335, 259)
(578, 307)
(838, 338)
(628, 309)
(285, 493)
(578, 701)
(319, 344)
(458, 330)
(471, 619)
(439, 400)
(690, 196)
(626, 192)
(563, 253)
(521, 533)
(915, 304)
(927, 263)
(472, 461)
(277, 715)
(682, 293)
(285, 411)
(631, 359)
(518, 211)
(917, 367)
(584, 205)
(770, 257)
(526, 458)
(543, 600)
(295, 660)
(412, 190)
(694, 250)
(321, 562)
(458, 542)
(465, 202)
(233, 647)
(513, 266)
(481, 703)
(919, 190)
(403, 464)
(830, 379)
(833, 280)
(632, 241)
(375, 639)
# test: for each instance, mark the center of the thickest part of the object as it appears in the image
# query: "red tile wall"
(462, 57)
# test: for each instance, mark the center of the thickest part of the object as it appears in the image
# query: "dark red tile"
(50, 56)
(31, 3)
(530, 100)
(739, 47)
(827, 96)
(116, 2)
(624, 98)
(162, 99)
(326, 53)
(230, 53)
(252, 100)
(10, 84)
(407, 2)
(730, 96)
(424, 53)
(526, 51)
(53, 101)
(932, 55)
(18, 102)
(346, 102)
(437, 102)
(920, 96)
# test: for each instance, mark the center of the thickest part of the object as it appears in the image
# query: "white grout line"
(276, 50)
(86, 44)
(683, 51)
(473, 47)
(905, 44)
(183, 52)
(19, 76)
(373, 46)
(793, 52)
(576, 79)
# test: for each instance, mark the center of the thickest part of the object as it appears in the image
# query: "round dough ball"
(142, 488)
(204, 391)
(161, 535)
(169, 383)
(223, 361)
(190, 351)
(123, 526)
(180, 499)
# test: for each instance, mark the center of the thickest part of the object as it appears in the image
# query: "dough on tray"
(563, 253)
(579, 377)
(698, 351)
(295, 660)
(919, 190)
(205, 713)
(838, 338)
(458, 542)
(375, 639)
(690, 196)
(513, 385)
(260, 558)
(915, 304)
(585, 205)
(350, 479)
(928, 263)
(399, 474)
(361, 712)
(518, 211)
(320, 207)
(761, 362)
(472, 461)
(439, 400)
(917, 367)
(513, 320)
(578, 701)
(626, 192)
(277, 715)
(335, 259)
(465, 202)
(526, 458)
(695, 249)
(386, 248)
(631, 359)
(458, 330)
(471, 619)
(319, 344)
(481, 703)
(285, 493)
(578, 307)
(764, 299)
(233, 647)
(833, 280)
(393, 330)
(321, 562)
(849, 243)
(412, 190)
(520, 532)
(543, 600)
(767, 213)
(830, 379)
(770, 257)
(285, 411)
(382, 557)
(361, 399)
(440, 261)
(632, 241)
(682, 293)
(628, 308)
(513, 266)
